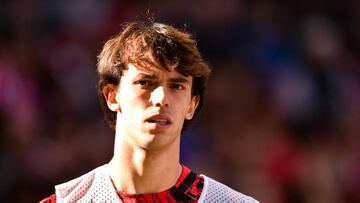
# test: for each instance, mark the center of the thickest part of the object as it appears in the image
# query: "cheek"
(134, 101)
(183, 104)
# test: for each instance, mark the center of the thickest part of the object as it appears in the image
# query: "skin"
(151, 106)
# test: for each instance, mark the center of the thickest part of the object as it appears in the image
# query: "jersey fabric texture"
(96, 187)
(187, 189)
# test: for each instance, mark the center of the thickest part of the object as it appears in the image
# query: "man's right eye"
(144, 83)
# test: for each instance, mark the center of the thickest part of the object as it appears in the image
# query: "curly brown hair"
(142, 42)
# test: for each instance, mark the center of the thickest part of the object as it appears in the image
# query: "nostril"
(161, 105)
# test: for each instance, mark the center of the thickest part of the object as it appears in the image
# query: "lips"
(159, 119)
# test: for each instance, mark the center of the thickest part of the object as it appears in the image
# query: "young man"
(151, 83)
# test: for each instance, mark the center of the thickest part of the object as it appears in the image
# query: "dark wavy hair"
(142, 42)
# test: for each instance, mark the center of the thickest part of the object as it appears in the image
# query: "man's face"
(153, 105)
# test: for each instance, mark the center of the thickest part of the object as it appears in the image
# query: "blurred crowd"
(281, 120)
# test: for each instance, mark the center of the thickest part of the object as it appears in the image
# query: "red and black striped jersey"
(188, 188)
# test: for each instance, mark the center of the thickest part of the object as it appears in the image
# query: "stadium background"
(281, 121)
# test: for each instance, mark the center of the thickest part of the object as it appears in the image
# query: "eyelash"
(149, 84)
(177, 86)
(144, 83)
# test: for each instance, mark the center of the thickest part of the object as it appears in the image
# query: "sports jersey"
(96, 187)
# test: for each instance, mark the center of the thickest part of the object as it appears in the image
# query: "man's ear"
(195, 100)
(110, 92)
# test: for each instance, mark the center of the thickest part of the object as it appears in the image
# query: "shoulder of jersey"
(215, 191)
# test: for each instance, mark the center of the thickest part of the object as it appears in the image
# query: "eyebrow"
(179, 80)
(147, 76)
(153, 76)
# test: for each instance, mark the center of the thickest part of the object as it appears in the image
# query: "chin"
(158, 141)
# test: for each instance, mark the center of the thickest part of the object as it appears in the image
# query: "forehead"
(155, 72)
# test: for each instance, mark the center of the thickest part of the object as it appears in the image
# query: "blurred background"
(281, 120)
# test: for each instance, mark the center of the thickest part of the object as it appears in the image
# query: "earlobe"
(193, 105)
(110, 96)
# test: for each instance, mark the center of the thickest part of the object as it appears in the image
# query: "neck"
(136, 170)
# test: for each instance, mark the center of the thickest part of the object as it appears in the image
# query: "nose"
(159, 97)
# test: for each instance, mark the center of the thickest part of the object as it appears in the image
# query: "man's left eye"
(176, 86)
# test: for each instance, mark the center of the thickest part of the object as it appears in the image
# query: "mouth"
(159, 119)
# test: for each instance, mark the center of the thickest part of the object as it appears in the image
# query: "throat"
(143, 180)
